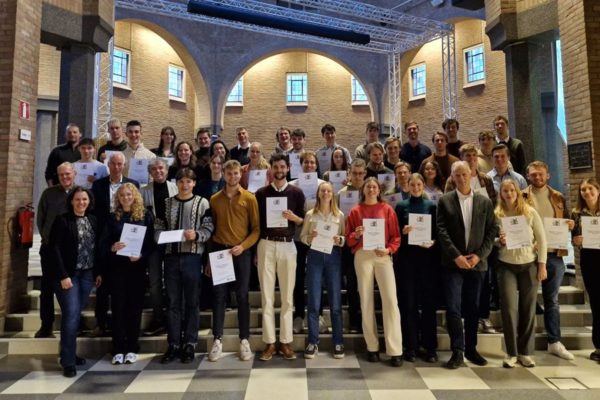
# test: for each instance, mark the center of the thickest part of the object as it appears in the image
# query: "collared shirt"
(113, 187)
(466, 207)
(310, 223)
(510, 174)
(235, 219)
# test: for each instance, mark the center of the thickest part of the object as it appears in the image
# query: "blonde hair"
(522, 207)
(137, 208)
(332, 203)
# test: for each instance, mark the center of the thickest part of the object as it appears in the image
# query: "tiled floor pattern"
(353, 378)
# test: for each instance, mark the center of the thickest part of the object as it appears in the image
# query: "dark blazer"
(63, 245)
(451, 229)
(101, 191)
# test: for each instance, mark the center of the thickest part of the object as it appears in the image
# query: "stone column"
(76, 97)
(19, 52)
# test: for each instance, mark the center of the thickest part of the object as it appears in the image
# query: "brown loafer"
(287, 352)
(268, 352)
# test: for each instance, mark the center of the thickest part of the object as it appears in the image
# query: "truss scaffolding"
(103, 92)
(391, 32)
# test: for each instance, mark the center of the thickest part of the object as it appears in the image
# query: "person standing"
(117, 140)
(376, 265)
(53, 203)
(73, 246)
(166, 145)
(89, 169)
(441, 155)
(67, 152)
(127, 273)
(450, 127)
(372, 134)
(235, 217)
(502, 168)
(183, 265)
(135, 148)
(324, 153)
(413, 152)
(276, 254)
(466, 233)
(515, 146)
(240, 152)
(550, 203)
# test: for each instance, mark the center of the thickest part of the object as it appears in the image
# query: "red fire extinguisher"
(23, 226)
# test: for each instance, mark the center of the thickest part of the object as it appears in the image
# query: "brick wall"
(49, 71)
(19, 50)
(477, 106)
(329, 101)
(148, 99)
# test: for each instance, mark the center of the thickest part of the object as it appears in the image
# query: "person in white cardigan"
(154, 195)
(520, 269)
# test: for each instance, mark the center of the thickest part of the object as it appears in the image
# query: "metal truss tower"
(103, 93)
(395, 95)
(449, 97)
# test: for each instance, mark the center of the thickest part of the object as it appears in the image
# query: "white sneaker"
(215, 352)
(486, 326)
(245, 350)
(130, 358)
(117, 359)
(559, 350)
(298, 325)
(509, 362)
(526, 361)
(322, 325)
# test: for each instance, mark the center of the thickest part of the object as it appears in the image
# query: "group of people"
(311, 220)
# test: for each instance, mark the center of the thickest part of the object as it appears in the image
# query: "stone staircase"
(576, 320)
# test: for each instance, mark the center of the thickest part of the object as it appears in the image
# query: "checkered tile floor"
(39, 377)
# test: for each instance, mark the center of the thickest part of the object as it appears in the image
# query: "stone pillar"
(76, 97)
(19, 52)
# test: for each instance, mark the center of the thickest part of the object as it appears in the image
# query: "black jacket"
(63, 245)
(101, 190)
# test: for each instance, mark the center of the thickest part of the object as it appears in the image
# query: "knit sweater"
(380, 210)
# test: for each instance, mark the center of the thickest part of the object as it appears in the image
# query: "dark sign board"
(580, 155)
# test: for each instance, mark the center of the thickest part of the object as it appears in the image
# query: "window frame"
(127, 85)
(411, 95)
(354, 83)
(466, 83)
(174, 97)
(288, 93)
(240, 103)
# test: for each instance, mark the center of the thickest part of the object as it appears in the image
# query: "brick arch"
(202, 110)
(346, 64)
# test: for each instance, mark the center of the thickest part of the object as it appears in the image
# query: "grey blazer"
(451, 229)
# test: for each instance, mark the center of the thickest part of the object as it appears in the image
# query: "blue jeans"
(71, 302)
(550, 287)
(319, 265)
(462, 288)
(183, 274)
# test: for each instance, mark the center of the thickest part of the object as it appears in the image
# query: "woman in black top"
(184, 158)
(73, 245)
(128, 272)
(166, 145)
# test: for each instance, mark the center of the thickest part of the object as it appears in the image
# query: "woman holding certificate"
(323, 231)
(257, 163)
(417, 266)
(127, 239)
(373, 235)
(521, 267)
(73, 245)
(586, 234)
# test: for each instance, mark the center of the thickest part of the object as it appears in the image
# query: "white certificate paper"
(387, 181)
(557, 233)
(420, 233)
(257, 178)
(138, 170)
(337, 179)
(392, 199)
(133, 237)
(84, 170)
(309, 183)
(374, 234)
(170, 236)
(275, 208)
(324, 157)
(221, 267)
(590, 229)
(348, 199)
(517, 232)
(323, 242)
(295, 166)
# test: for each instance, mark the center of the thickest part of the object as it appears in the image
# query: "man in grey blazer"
(154, 195)
(466, 232)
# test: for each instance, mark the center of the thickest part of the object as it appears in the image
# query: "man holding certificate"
(276, 254)
(521, 267)
(373, 234)
(125, 243)
(136, 151)
(586, 234)
(552, 207)
(466, 233)
(235, 215)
